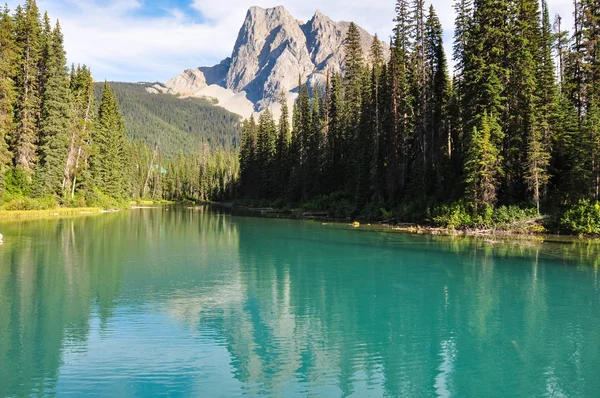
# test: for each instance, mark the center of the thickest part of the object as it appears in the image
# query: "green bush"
(459, 216)
(95, 198)
(455, 216)
(77, 201)
(582, 219)
(505, 215)
(18, 202)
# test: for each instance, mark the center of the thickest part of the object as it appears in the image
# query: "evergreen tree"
(438, 131)
(79, 140)
(539, 140)
(265, 153)
(27, 105)
(55, 118)
(283, 147)
(7, 89)
(107, 163)
(481, 168)
(248, 157)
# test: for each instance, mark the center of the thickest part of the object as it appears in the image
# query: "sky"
(155, 40)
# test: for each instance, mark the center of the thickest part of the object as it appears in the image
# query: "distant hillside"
(175, 124)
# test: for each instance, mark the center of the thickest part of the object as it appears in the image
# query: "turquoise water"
(168, 302)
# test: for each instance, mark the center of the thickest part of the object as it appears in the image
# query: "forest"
(61, 143)
(514, 133)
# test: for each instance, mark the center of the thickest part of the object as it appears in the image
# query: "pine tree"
(7, 89)
(265, 153)
(335, 137)
(400, 100)
(83, 106)
(283, 147)
(522, 119)
(248, 157)
(538, 151)
(485, 76)
(108, 165)
(55, 118)
(27, 105)
(438, 131)
(481, 168)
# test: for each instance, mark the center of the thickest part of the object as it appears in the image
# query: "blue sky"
(154, 40)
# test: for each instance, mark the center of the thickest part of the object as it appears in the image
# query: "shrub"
(95, 198)
(582, 219)
(455, 216)
(19, 202)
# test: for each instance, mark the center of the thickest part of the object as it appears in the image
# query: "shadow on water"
(198, 302)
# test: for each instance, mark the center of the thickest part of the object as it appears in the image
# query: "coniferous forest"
(61, 146)
(511, 133)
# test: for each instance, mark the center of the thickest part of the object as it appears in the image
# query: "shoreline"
(488, 234)
(50, 213)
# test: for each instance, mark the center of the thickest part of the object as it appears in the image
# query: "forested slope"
(174, 124)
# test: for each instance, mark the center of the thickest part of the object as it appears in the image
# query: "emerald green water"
(177, 302)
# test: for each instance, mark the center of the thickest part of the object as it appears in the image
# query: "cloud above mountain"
(153, 40)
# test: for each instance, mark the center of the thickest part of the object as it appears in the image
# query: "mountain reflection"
(187, 301)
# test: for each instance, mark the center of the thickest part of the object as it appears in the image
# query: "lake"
(201, 302)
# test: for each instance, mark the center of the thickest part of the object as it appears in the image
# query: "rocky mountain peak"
(271, 51)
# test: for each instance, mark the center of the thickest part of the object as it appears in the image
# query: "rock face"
(273, 50)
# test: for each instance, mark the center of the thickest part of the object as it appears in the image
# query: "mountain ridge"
(273, 51)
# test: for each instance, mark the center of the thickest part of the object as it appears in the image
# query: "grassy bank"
(48, 213)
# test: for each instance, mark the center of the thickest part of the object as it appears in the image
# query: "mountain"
(273, 50)
(174, 124)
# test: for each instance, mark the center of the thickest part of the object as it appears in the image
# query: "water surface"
(178, 302)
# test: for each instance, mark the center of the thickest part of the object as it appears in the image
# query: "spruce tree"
(108, 164)
(27, 105)
(539, 140)
(438, 131)
(248, 157)
(283, 147)
(7, 89)
(79, 140)
(55, 118)
(265, 153)
(481, 168)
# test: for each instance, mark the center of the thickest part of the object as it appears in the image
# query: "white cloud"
(121, 44)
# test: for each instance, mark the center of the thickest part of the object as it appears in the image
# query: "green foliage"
(96, 198)
(582, 218)
(459, 216)
(14, 203)
(454, 216)
(338, 205)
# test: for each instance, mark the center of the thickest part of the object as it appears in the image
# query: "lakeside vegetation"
(64, 142)
(513, 135)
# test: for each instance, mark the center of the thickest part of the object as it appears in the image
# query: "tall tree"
(55, 118)
(27, 105)
(438, 130)
(7, 89)
(284, 138)
(481, 168)
(265, 153)
(108, 165)
(79, 140)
